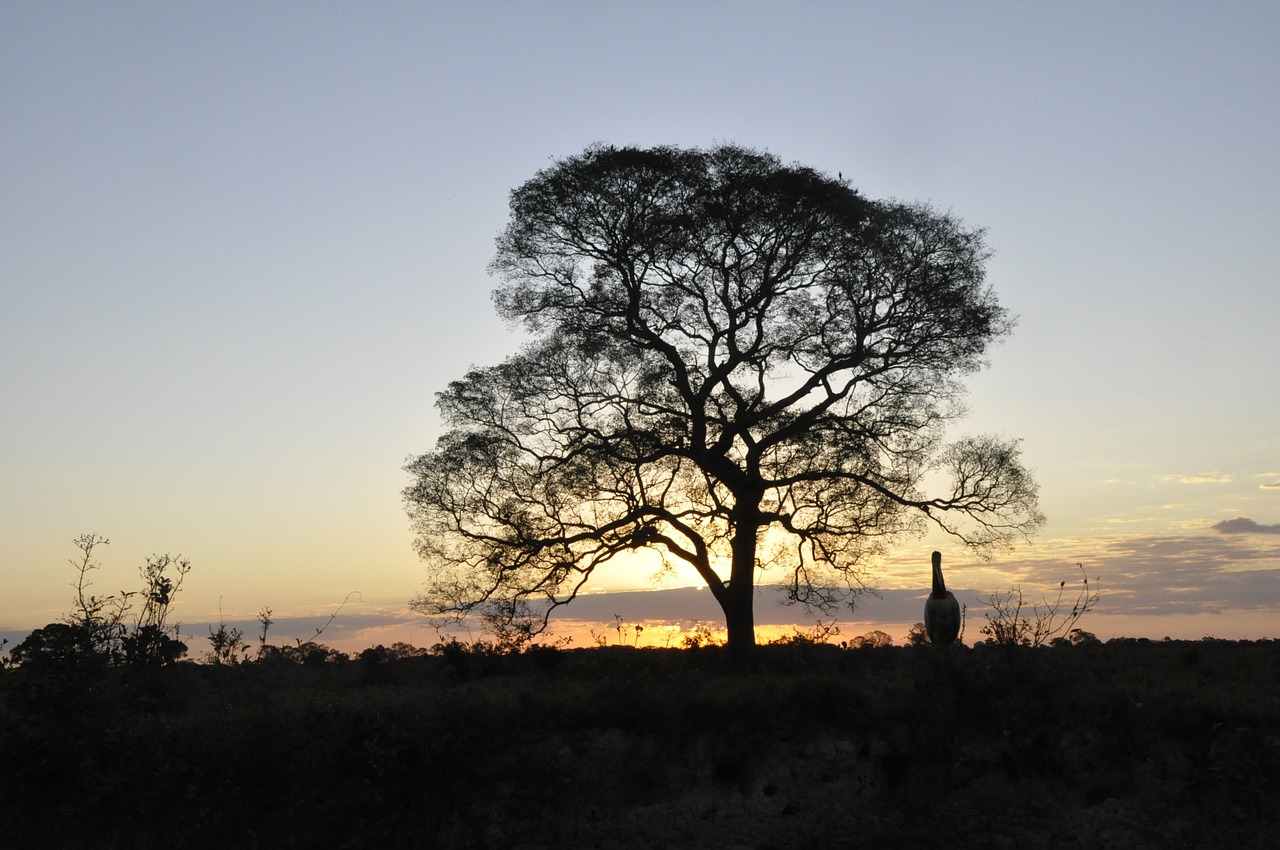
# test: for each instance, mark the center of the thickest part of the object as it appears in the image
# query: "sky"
(242, 245)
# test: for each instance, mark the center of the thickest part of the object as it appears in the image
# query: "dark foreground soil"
(1129, 744)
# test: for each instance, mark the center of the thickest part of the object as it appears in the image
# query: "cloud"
(1188, 575)
(681, 603)
(1275, 485)
(1214, 477)
(1244, 525)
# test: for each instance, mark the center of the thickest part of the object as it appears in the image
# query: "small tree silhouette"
(1012, 623)
(149, 644)
(95, 631)
(97, 621)
(917, 636)
(226, 645)
(873, 639)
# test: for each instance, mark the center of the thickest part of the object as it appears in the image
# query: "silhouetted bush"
(95, 633)
(57, 645)
(226, 646)
(150, 647)
(310, 654)
(1015, 621)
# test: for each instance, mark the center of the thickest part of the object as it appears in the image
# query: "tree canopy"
(743, 365)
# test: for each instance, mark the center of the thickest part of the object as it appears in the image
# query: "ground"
(1131, 743)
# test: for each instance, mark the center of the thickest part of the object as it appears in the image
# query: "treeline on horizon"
(131, 628)
(100, 632)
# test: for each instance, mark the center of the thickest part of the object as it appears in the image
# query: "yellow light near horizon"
(642, 569)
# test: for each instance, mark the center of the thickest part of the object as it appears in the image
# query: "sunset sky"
(242, 245)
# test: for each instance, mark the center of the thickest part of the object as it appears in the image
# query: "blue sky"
(242, 246)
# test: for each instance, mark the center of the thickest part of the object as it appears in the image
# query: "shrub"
(148, 646)
(95, 632)
(871, 640)
(1012, 623)
(226, 646)
(57, 644)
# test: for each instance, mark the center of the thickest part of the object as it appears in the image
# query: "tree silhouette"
(95, 634)
(742, 365)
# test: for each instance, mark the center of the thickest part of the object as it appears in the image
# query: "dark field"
(1125, 744)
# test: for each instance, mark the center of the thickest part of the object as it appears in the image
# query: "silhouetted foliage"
(95, 633)
(309, 653)
(382, 664)
(57, 644)
(264, 622)
(874, 639)
(702, 635)
(820, 633)
(147, 646)
(739, 364)
(398, 651)
(1076, 637)
(98, 621)
(226, 645)
(1012, 622)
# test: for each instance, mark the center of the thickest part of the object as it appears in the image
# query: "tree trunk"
(740, 620)
(739, 598)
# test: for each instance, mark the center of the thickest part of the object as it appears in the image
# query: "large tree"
(743, 365)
